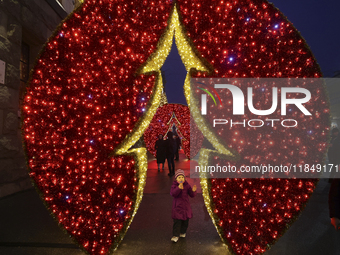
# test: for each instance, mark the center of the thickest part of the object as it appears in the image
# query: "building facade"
(25, 25)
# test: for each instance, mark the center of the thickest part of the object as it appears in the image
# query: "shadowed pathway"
(26, 228)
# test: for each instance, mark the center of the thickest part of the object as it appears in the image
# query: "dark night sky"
(318, 22)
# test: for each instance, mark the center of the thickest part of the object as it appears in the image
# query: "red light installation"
(163, 121)
(85, 99)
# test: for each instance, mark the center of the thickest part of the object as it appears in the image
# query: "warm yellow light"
(192, 61)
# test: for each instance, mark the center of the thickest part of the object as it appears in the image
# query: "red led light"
(82, 101)
(166, 117)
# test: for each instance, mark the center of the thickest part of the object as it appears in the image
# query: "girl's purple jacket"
(181, 209)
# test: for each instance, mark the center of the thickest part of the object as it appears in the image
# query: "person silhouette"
(160, 148)
(170, 153)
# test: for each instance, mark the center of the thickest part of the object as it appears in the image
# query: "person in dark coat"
(331, 149)
(160, 148)
(178, 145)
(334, 192)
(334, 153)
(181, 209)
(170, 153)
(334, 203)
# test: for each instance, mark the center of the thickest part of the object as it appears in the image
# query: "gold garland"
(191, 61)
(164, 99)
(172, 116)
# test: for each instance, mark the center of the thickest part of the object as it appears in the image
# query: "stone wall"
(32, 22)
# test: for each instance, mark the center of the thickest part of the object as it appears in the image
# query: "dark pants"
(171, 164)
(177, 155)
(180, 227)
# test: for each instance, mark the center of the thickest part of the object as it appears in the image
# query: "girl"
(181, 209)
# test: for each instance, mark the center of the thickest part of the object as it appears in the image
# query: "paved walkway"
(26, 228)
